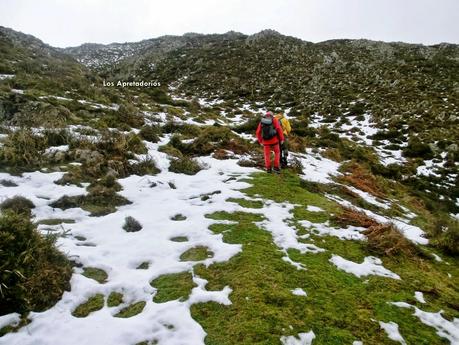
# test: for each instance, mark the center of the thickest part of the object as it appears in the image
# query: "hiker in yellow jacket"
(286, 128)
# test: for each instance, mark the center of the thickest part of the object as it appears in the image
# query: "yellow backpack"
(285, 123)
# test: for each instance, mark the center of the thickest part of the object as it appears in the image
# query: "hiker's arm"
(258, 133)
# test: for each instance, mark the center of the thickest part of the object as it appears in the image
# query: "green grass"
(114, 299)
(97, 274)
(196, 254)
(246, 203)
(93, 304)
(339, 306)
(56, 221)
(131, 310)
(173, 286)
(179, 239)
(178, 217)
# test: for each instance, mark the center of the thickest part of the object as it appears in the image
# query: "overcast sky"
(65, 23)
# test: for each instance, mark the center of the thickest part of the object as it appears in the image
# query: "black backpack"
(267, 128)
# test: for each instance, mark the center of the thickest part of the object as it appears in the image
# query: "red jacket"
(273, 140)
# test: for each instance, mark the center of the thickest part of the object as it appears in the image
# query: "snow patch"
(370, 266)
(445, 329)
(299, 292)
(419, 296)
(302, 339)
(391, 329)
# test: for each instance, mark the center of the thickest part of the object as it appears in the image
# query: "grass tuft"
(131, 224)
(18, 204)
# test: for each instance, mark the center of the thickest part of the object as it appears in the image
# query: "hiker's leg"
(281, 153)
(267, 152)
(276, 156)
(285, 151)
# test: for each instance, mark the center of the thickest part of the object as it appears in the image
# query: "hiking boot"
(277, 170)
(269, 170)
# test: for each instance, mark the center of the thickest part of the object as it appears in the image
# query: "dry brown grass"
(296, 143)
(361, 178)
(385, 239)
(222, 154)
(350, 216)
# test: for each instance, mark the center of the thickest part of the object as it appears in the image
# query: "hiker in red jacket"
(269, 134)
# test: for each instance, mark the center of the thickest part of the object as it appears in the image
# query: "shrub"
(135, 144)
(146, 166)
(185, 129)
(128, 114)
(18, 204)
(208, 140)
(33, 273)
(185, 165)
(57, 138)
(131, 224)
(23, 148)
(250, 126)
(150, 133)
(416, 148)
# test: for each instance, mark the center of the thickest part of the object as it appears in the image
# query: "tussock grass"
(185, 165)
(18, 204)
(131, 224)
(101, 200)
(33, 273)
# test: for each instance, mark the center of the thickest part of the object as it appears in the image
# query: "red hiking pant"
(267, 149)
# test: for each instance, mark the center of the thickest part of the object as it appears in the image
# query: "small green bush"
(18, 204)
(33, 273)
(150, 133)
(416, 148)
(185, 165)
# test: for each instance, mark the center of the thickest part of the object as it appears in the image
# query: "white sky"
(73, 22)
